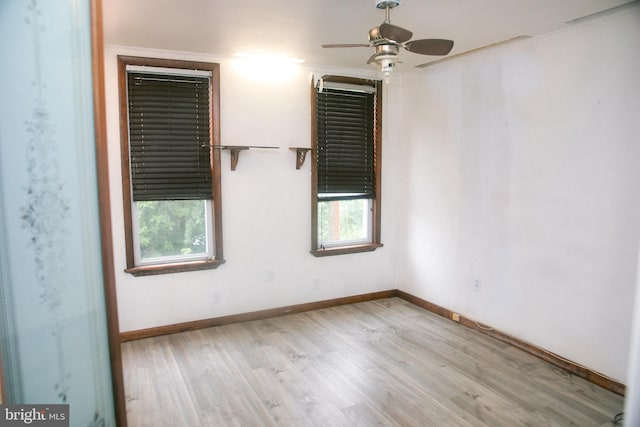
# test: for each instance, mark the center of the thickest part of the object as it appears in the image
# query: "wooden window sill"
(343, 250)
(148, 270)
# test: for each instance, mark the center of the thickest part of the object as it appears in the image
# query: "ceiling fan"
(387, 39)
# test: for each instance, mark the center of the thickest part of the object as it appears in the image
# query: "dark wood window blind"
(169, 136)
(346, 142)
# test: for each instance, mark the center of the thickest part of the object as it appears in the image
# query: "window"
(169, 115)
(346, 168)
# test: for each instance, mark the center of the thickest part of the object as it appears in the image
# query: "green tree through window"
(343, 220)
(171, 228)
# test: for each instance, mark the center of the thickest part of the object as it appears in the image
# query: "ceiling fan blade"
(430, 46)
(345, 45)
(392, 32)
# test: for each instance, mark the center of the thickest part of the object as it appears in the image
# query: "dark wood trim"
(377, 205)
(216, 162)
(149, 270)
(106, 243)
(556, 360)
(124, 160)
(376, 215)
(434, 308)
(343, 250)
(3, 393)
(314, 168)
(216, 186)
(255, 315)
(350, 80)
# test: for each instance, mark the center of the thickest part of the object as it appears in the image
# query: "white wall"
(632, 397)
(522, 172)
(266, 232)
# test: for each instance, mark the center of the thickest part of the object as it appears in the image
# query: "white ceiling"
(297, 28)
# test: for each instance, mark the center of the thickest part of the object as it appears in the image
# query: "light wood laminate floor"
(385, 362)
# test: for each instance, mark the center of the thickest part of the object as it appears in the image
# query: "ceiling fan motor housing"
(386, 52)
(387, 49)
(375, 37)
(383, 4)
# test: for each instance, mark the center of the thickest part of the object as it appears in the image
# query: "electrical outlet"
(477, 284)
(271, 276)
(216, 296)
(455, 317)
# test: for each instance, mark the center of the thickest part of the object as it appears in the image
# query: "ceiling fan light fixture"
(386, 64)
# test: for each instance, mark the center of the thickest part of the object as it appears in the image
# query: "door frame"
(106, 240)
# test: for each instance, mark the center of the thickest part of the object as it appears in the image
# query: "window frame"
(137, 253)
(329, 244)
(216, 203)
(376, 203)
